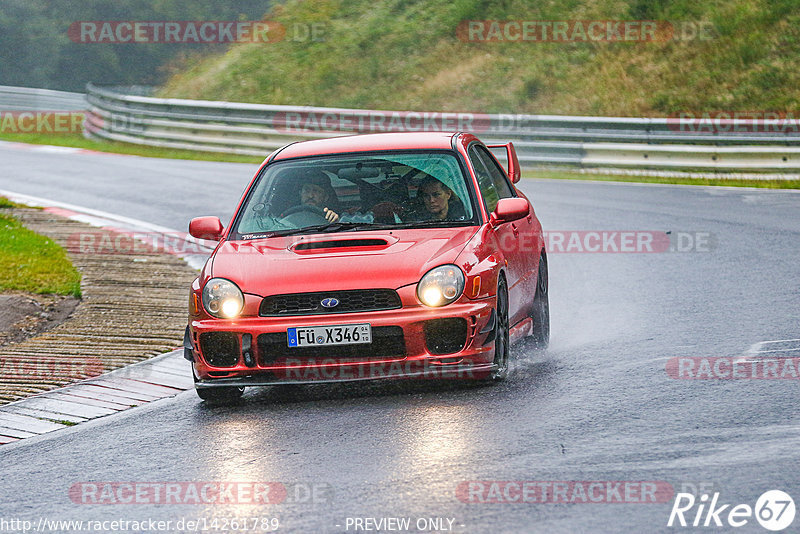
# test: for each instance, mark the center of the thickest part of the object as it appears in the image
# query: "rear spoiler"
(514, 172)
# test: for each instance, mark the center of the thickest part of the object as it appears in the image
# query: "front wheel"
(220, 395)
(541, 307)
(500, 371)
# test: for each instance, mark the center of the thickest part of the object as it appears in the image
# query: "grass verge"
(78, 141)
(729, 182)
(31, 262)
(5, 203)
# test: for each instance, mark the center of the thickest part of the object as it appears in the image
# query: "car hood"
(345, 260)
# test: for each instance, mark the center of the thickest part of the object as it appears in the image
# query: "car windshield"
(341, 193)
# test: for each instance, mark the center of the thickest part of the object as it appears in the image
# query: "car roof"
(368, 142)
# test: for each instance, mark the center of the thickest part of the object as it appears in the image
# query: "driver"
(316, 190)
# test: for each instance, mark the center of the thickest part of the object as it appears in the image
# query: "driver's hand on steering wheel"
(331, 215)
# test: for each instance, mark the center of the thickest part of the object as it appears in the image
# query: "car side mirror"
(510, 209)
(206, 228)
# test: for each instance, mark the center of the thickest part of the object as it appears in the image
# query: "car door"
(493, 188)
(528, 232)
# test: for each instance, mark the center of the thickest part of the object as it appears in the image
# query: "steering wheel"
(303, 215)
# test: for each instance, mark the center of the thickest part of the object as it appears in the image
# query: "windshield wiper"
(432, 224)
(323, 229)
(351, 226)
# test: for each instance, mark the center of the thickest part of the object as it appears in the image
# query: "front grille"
(220, 349)
(358, 300)
(387, 342)
(445, 336)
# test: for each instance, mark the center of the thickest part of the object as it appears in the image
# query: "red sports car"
(365, 257)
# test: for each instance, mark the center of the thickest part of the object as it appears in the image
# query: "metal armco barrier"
(30, 99)
(256, 129)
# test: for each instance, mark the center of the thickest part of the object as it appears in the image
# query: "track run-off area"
(669, 371)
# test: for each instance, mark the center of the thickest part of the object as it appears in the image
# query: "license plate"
(320, 336)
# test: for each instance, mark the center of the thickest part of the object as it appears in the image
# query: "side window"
(485, 182)
(499, 178)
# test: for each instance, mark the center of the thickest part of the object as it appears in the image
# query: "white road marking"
(756, 347)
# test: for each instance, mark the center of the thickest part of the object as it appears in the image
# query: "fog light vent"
(445, 336)
(220, 349)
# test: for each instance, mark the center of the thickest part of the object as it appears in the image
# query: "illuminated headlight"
(222, 298)
(441, 286)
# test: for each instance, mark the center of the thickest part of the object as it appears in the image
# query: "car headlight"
(441, 286)
(222, 298)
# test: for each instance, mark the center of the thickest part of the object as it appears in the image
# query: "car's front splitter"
(307, 375)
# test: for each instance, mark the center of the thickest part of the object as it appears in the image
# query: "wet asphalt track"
(597, 405)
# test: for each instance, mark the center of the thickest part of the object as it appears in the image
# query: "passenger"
(439, 203)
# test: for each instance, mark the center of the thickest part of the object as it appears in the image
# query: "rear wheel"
(541, 307)
(500, 371)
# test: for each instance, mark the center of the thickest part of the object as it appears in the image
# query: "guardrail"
(31, 99)
(256, 129)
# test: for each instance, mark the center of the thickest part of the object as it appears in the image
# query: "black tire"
(541, 307)
(220, 395)
(501, 338)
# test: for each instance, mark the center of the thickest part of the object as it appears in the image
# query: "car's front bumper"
(472, 360)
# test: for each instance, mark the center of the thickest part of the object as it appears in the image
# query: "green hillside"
(405, 54)
(36, 49)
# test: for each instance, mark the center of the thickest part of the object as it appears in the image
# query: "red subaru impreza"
(365, 257)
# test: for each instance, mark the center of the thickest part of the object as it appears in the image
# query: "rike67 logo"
(774, 510)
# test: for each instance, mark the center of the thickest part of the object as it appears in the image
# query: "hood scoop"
(334, 244)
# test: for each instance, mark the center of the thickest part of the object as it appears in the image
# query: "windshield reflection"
(333, 194)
